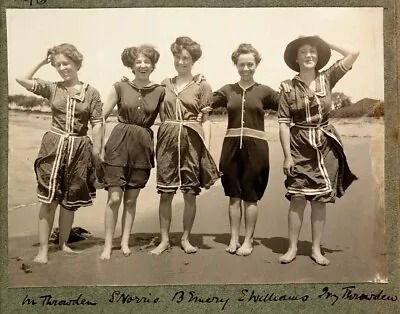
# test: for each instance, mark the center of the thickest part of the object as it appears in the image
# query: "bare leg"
(110, 219)
(318, 218)
(295, 220)
(189, 214)
(45, 225)
(123, 220)
(130, 198)
(165, 213)
(65, 221)
(235, 216)
(250, 218)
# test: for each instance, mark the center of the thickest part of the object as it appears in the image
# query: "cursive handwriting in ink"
(48, 300)
(32, 2)
(191, 296)
(349, 294)
(29, 301)
(118, 297)
(253, 297)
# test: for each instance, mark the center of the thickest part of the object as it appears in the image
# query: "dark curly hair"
(244, 49)
(184, 42)
(129, 55)
(67, 50)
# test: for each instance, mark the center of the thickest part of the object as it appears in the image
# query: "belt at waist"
(180, 121)
(246, 132)
(134, 124)
(64, 133)
(311, 126)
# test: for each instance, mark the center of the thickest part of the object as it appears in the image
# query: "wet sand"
(353, 240)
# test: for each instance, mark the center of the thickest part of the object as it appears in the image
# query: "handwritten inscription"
(249, 296)
(49, 300)
(268, 297)
(348, 293)
(32, 2)
(193, 297)
(118, 297)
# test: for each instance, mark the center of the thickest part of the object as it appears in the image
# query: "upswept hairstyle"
(129, 55)
(184, 42)
(244, 49)
(67, 50)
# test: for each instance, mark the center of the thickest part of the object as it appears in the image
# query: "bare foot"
(67, 249)
(289, 256)
(125, 250)
(317, 257)
(233, 246)
(163, 246)
(41, 257)
(106, 254)
(187, 247)
(245, 250)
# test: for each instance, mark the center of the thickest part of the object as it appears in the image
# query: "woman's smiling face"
(65, 67)
(142, 67)
(246, 66)
(307, 57)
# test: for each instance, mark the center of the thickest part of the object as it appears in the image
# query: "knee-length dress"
(64, 168)
(183, 160)
(131, 142)
(244, 159)
(321, 172)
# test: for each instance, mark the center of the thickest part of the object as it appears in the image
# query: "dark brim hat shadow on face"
(324, 51)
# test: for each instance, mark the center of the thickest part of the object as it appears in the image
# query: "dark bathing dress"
(183, 160)
(321, 172)
(244, 159)
(129, 152)
(63, 168)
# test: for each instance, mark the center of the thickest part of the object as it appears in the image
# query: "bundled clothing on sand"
(321, 171)
(64, 168)
(183, 160)
(129, 152)
(244, 159)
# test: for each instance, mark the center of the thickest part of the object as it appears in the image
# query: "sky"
(102, 34)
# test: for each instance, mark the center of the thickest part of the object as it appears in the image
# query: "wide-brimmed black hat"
(324, 51)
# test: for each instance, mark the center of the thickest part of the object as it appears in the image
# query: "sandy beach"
(354, 238)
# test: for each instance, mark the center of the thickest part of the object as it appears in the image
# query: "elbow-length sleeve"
(206, 98)
(271, 99)
(96, 109)
(284, 115)
(335, 72)
(43, 88)
(219, 98)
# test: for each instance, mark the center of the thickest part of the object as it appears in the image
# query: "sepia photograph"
(193, 146)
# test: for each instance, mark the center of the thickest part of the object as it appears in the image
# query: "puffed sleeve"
(271, 99)
(206, 97)
(96, 109)
(219, 98)
(43, 88)
(284, 115)
(335, 73)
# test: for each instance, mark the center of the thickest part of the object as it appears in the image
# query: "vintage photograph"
(166, 146)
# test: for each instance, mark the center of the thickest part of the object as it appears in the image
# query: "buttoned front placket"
(243, 110)
(140, 97)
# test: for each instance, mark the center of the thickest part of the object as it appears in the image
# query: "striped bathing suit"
(321, 172)
(63, 168)
(183, 161)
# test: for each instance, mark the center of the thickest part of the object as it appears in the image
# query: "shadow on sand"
(147, 241)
